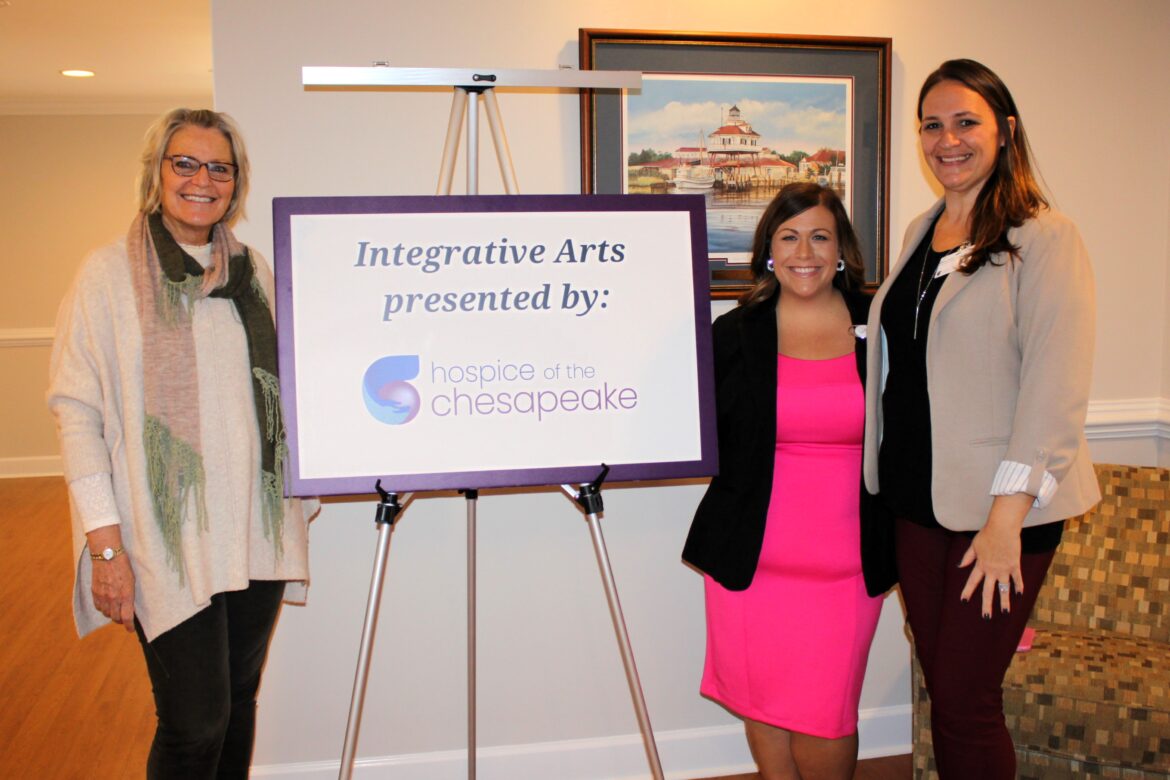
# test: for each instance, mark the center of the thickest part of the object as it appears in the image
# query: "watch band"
(107, 554)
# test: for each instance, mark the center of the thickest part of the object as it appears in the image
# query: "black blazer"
(727, 533)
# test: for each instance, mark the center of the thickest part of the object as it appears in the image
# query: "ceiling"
(149, 55)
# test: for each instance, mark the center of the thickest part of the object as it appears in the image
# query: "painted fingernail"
(987, 616)
(1004, 610)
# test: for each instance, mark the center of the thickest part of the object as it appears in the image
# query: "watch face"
(108, 553)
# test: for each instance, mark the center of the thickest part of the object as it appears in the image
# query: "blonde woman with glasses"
(164, 387)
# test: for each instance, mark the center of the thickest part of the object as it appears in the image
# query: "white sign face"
(489, 345)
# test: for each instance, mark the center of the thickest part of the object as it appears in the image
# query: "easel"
(588, 497)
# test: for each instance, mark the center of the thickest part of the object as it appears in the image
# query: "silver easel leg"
(472, 143)
(588, 498)
(503, 154)
(472, 497)
(451, 144)
(388, 512)
(459, 108)
(623, 638)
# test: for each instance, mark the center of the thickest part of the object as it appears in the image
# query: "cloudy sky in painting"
(789, 114)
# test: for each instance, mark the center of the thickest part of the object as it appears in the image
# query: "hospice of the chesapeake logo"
(389, 397)
(491, 388)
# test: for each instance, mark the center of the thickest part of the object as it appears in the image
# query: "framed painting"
(734, 117)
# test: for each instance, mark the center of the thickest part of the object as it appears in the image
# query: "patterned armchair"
(1092, 696)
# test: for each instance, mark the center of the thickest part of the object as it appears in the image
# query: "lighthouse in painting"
(735, 140)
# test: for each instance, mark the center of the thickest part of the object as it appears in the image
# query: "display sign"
(488, 341)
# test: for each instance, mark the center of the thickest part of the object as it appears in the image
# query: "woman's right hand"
(112, 582)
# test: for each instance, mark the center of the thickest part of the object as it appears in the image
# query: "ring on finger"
(1003, 587)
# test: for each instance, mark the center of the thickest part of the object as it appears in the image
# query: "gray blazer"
(1009, 359)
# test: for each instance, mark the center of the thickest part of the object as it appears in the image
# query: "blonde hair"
(159, 136)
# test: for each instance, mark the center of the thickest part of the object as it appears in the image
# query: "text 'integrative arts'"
(432, 258)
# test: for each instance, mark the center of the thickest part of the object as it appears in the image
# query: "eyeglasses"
(183, 165)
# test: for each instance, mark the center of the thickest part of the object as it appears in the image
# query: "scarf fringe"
(176, 475)
(270, 387)
(274, 432)
(177, 298)
(272, 509)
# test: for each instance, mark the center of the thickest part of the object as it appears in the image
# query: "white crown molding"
(26, 337)
(103, 107)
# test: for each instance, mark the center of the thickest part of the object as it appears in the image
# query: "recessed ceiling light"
(77, 74)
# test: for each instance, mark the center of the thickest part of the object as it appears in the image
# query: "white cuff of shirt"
(1012, 478)
(94, 498)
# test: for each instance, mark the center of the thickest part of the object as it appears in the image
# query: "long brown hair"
(793, 199)
(1011, 195)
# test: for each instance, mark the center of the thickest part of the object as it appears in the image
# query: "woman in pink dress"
(782, 531)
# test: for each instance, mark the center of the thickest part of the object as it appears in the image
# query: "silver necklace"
(923, 289)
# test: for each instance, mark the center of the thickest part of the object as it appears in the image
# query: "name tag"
(953, 261)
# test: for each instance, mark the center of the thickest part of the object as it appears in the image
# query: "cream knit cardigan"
(96, 394)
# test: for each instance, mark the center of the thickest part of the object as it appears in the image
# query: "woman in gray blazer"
(979, 368)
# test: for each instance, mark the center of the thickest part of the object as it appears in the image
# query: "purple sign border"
(283, 209)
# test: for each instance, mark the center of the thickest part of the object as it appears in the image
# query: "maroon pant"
(964, 657)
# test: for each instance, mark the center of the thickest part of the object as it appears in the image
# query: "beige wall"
(26, 427)
(1089, 79)
(1163, 443)
(68, 180)
(68, 187)
(1165, 319)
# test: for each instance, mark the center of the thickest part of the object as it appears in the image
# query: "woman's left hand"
(995, 553)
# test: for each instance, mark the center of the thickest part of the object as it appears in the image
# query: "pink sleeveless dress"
(791, 650)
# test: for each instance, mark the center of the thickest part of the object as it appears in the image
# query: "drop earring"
(840, 264)
(770, 264)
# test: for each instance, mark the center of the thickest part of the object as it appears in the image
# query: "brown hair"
(1011, 195)
(159, 136)
(793, 199)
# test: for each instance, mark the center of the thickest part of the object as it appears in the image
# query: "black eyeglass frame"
(231, 169)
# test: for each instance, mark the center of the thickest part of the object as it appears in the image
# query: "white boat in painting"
(695, 177)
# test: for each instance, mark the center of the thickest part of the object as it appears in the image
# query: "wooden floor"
(82, 710)
(71, 709)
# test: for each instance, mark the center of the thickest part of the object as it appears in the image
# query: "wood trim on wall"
(26, 337)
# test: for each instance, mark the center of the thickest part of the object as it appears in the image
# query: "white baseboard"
(37, 466)
(685, 754)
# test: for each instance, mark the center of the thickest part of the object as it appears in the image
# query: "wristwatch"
(107, 554)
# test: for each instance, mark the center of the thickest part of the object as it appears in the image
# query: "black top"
(904, 458)
(727, 533)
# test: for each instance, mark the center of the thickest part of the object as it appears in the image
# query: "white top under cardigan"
(96, 393)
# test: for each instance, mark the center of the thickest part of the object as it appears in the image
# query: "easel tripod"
(588, 496)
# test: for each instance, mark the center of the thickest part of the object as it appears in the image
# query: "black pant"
(205, 673)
